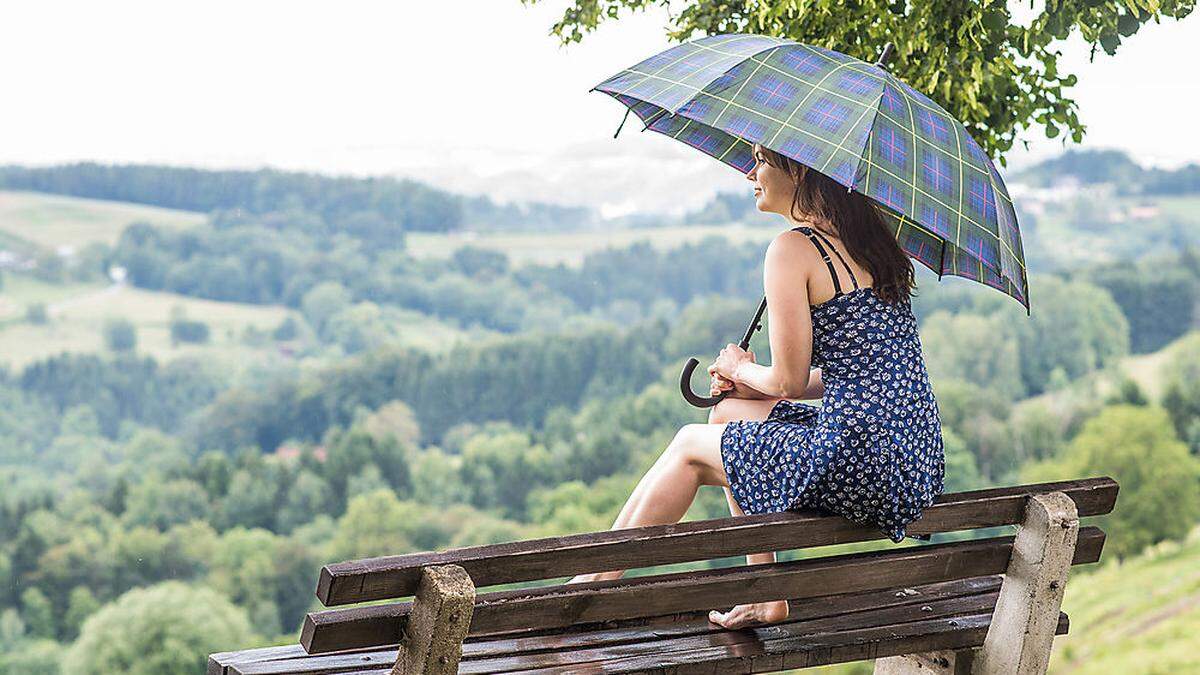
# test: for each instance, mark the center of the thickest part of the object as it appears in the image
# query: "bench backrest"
(560, 605)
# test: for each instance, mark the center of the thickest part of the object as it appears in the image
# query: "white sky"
(473, 96)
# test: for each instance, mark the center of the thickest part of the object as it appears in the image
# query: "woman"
(872, 451)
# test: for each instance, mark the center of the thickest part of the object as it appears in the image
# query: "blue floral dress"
(872, 452)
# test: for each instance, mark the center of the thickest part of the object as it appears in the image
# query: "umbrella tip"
(887, 54)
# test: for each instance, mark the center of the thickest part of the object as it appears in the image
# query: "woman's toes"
(751, 615)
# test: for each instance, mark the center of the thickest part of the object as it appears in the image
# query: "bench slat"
(552, 557)
(754, 655)
(862, 609)
(565, 604)
(701, 638)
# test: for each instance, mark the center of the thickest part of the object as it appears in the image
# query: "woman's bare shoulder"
(789, 251)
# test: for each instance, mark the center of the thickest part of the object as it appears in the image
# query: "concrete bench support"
(947, 662)
(441, 614)
(1022, 630)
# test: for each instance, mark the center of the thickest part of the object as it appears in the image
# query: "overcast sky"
(472, 96)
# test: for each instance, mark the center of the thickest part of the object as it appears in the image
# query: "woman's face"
(773, 186)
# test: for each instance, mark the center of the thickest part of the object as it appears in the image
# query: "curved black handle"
(685, 380)
(685, 385)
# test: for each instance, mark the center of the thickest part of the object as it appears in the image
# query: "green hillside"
(77, 313)
(1141, 615)
(53, 220)
(570, 247)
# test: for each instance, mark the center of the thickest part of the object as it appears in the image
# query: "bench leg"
(437, 625)
(946, 662)
(1023, 624)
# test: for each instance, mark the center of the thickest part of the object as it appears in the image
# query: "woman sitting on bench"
(872, 451)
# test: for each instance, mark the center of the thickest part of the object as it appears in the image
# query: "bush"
(35, 313)
(163, 629)
(120, 335)
(1160, 481)
(187, 330)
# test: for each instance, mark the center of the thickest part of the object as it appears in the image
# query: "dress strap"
(833, 274)
(837, 286)
(839, 255)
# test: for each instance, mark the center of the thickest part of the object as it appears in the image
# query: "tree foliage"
(161, 630)
(996, 76)
(1160, 481)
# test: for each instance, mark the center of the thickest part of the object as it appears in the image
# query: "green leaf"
(1051, 131)
(1070, 80)
(995, 20)
(1127, 25)
(1109, 42)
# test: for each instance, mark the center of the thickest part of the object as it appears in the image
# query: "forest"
(172, 507)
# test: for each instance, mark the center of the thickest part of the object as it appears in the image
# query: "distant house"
(1143, 212)
(288, 452)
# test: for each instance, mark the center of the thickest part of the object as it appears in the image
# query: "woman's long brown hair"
(858, 224)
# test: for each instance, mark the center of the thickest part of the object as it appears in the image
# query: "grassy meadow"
(76, 315)
(51, 220)
(569, 248)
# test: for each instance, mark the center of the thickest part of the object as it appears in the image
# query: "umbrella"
(848, 119)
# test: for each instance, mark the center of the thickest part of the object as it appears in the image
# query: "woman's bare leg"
(667, 490)
(759, 612)
(693, 458)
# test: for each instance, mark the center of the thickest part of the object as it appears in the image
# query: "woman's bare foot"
(753, 614)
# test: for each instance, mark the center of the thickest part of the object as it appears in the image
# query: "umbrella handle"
(685, 386)
(685, 379)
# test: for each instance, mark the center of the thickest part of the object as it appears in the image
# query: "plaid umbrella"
(852, 121)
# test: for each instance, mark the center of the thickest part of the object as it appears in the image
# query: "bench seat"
(831, 629)
(979, 605)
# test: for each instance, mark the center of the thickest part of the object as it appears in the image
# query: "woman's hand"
(719, 384)
(729, 359)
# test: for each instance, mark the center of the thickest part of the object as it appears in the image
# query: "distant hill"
(1091, 167)
(342, 202)
(53, 221)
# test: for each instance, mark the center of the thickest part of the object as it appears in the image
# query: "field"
(52, 221)
(77, 314)
(569, 248)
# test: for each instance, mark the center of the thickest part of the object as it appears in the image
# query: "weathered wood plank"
(565, 604)
(892, 616)
(553, 557)
(754, 655)
(580, 636)
(805, 651)
(219, 662)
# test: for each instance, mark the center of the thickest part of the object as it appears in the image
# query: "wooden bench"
(985, 605)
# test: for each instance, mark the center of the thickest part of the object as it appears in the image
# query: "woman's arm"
(786, 284)
(816, 386)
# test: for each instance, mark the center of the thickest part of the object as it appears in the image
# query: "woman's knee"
(721, 412)
(683, 446)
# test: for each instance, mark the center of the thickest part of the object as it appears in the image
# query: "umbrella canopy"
(850, 120)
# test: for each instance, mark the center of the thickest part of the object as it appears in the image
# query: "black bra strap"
(809, 231)
(837, 286)
(839, 255)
